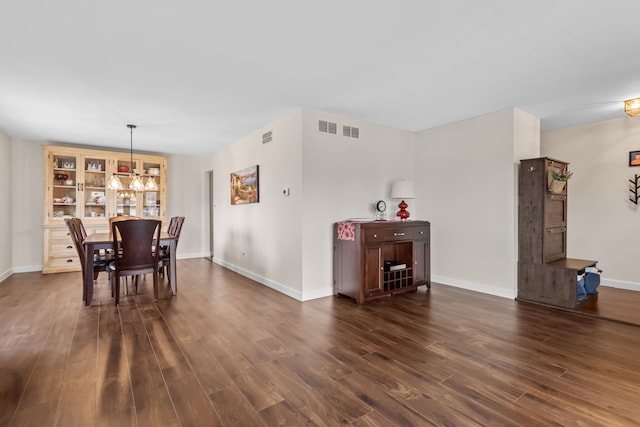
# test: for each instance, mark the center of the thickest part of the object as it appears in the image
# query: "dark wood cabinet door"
(555, 211)
(373, 270)
(420, 262)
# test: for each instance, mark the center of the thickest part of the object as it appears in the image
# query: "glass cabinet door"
(151, 203)
(64, 186)
(93, 187)
(146, 202)
(126, 199)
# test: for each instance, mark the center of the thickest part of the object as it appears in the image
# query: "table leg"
(88, 274)
(172, 267)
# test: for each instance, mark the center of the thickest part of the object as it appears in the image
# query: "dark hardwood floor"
(229, 352)
(621, 305)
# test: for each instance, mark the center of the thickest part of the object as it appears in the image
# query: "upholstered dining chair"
(138, 242)
(78, 233)
(175, 227)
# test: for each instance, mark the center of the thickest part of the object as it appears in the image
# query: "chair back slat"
(173, 223)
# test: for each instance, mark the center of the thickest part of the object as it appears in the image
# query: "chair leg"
(155, 285)
(117, 282)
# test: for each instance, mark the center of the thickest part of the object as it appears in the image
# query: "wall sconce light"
(402, 189)
(632, 107)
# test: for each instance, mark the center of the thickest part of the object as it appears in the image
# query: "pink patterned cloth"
(346, 230)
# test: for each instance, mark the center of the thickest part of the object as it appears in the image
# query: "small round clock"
(381, 207)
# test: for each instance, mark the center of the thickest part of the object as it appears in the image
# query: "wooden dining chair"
(175, 227)
(138, 243)
(120, 217)
(100, 261)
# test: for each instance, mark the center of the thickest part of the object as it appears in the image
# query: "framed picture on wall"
(245, 186)
(634, 158)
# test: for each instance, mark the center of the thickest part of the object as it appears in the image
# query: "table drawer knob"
(398, 234)
(69, 260)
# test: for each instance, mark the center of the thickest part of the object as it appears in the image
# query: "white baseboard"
(193, 255)
(474, 286)
(6, 274)
(632, 286)
(23, 269)
(320, 293)
(262, 280)
(27, 269)
(506, 293)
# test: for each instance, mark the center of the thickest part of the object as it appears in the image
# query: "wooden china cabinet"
(75, 181)
(380, 258)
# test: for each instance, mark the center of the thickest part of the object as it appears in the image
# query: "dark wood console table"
(380, 258)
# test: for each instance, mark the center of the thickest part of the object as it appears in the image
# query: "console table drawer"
(394, 234)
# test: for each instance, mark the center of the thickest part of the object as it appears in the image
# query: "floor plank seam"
(35, 364)
(186, 358)
(124, 346)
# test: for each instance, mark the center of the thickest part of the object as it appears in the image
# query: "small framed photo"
(634, 158)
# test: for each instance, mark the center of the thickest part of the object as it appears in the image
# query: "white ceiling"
(198, 75)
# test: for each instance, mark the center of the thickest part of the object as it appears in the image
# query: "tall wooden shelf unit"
(545, 274)
(359, 264)
(75, 182)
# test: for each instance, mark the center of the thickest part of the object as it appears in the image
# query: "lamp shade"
(402, 189)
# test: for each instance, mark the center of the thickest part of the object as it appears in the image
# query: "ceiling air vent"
(355, 132)
(267, 137)
(327, 127)
(346, 130)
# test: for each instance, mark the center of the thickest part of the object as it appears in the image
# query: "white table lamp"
(402, 189)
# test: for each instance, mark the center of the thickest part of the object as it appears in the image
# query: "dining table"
(97, 241)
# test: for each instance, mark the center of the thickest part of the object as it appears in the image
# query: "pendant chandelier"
(136, 183)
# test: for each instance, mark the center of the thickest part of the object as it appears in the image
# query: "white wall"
(603, 224)
(466, 186)
(187, 196)
(262, 240)
(6, 217)
(27, 205)
(343, 177)
(287, 241)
